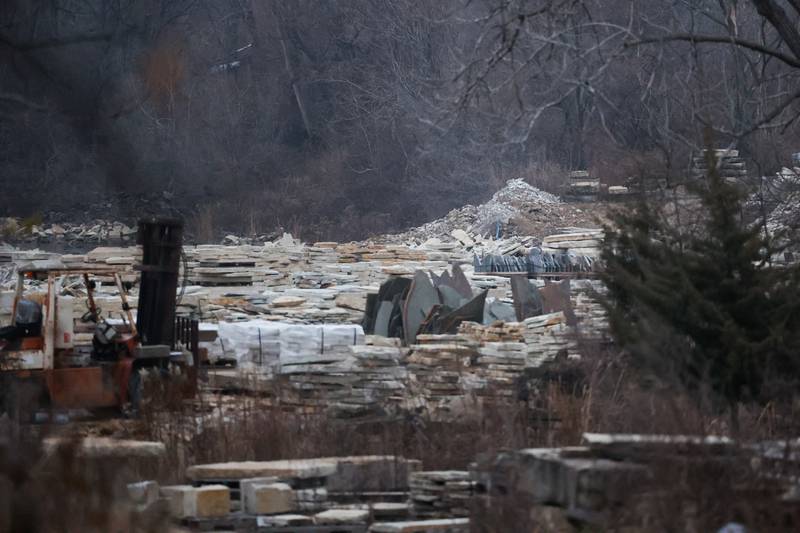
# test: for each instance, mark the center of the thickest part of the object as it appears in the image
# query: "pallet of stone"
(395, 499)
(495, 332)
(582, 242)
(501, 365)
(233, 522)
(307, 526)
(440, 494)
(439, 373)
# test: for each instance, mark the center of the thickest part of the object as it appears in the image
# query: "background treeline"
(337, 119)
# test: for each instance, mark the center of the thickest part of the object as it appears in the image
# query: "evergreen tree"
(700, 299)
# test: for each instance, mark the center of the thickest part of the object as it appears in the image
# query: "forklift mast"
(161, 240)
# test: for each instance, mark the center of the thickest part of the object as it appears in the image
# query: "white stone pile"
(517, 199)
(92, 232)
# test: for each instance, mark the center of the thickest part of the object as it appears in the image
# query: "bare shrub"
(202, 225)
(61, 489)
(546, 175)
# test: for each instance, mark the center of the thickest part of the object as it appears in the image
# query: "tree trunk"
(734, 414)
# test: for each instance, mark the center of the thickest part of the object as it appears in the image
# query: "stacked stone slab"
(370, 379)
(499, 367)
(583, 187)
(618, 481)
(440, 494)
(302, 491)
(592, 318)
(574, 240)
(548, 336)
(730, 166)
(439, 371)
(495, 332)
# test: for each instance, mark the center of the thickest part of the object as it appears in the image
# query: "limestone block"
(288, 301)
(372, 473)
(208, 501)
(296, 468)
(269, 498)
(246, 489)
(176, 496)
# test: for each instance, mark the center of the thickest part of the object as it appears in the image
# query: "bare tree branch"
(781, 22)
(717, 39)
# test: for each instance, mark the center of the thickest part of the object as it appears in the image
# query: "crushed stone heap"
(516, 209)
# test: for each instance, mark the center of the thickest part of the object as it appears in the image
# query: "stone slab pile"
(369, 379)
(615, 481)
(582, 186)
(439, 371)
(727, 162)
(327, 491)
(579, 241)
(592, 318)
(440, 494)
(548, 336)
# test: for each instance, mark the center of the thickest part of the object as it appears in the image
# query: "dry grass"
(601, 393)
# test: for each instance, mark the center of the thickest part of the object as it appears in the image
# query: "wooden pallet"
(249, 524)
(232, 522)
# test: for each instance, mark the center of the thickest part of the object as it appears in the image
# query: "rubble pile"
(97, 231)
(516, 209)
(784, 197)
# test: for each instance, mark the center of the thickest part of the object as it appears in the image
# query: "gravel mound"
(516, 200)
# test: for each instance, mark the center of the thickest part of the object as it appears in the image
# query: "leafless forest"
(341, 119)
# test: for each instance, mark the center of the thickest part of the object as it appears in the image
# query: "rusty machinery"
(40, 362)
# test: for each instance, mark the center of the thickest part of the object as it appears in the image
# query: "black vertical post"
(161, 240)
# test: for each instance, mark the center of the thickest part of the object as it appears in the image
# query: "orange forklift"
(40, 364)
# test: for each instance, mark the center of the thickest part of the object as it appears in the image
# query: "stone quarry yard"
(310, 417)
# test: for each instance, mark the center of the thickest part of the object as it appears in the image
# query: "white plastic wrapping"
(265, 343)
